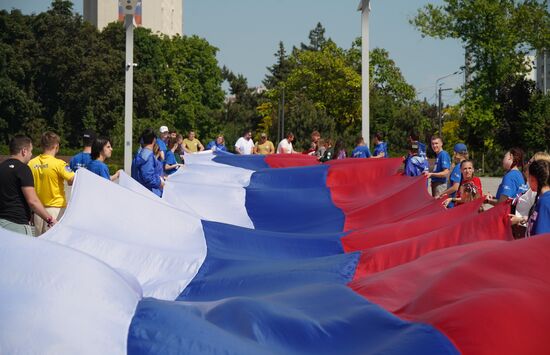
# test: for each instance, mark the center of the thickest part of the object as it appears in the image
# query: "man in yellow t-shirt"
(192, 144)
(49, 174)
(264, 146)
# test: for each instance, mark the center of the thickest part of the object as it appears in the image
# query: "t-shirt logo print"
(11, 166)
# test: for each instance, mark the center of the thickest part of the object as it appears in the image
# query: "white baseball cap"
(163, 129)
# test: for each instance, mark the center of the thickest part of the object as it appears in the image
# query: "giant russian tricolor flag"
(276, 255)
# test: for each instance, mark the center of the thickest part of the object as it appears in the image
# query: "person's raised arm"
(116, 175)
(66, 174)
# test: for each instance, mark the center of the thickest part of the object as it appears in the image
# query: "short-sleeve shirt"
(100, 168)
(381, 147)
(13, 176)
(454, 178)
(215, 146)
(162, 145)
(361, 151)
(81, 160)
(512, 184)
(49, 174)
(285, 147)
(245, 146)
(442, 162)
(265, 148)
(539, 223)
(191, 145)
(170, 160)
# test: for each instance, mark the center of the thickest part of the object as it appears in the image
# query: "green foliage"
(325, 78)
(58, 72)
(279, 71)
(265, 126)
(497, 35)
(386, 77)
(537, 123)
(317, 39)
(323, 92)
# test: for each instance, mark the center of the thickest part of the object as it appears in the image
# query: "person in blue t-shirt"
(380, 147)
(161, 142)
(460, 154)
(513, 183)
(171, 164)
(144, 166)
(414, 164)
(101, 151)
(413, 139)
(539, 181)
(217, 144)
(361, 150)
(83, 158)
(441, 168)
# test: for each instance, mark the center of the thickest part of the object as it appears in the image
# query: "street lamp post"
(283, 116)
(129, 9)
(364, 7)
(440, 108)
(438, 97)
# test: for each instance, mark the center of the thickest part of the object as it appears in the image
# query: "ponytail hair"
(517, 158)
(540, 170)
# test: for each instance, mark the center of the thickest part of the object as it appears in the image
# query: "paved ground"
(490, 184)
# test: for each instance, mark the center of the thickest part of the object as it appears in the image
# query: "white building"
(542, 63)
(543, 70)
(531, 64)
(161, 16)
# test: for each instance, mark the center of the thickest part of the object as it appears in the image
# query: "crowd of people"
(32, 195)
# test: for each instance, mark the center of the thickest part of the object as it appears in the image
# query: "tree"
(59, 72)
(497, 35)
(322, 92)
(246, 109)
(536, 122)
(317, 39)
(279, 71)
(17, 103)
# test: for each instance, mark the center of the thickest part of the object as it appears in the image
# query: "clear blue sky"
(247, 33)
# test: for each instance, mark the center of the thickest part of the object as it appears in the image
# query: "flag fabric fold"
(274, 255)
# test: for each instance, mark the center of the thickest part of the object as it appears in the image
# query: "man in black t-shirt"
(17, 194)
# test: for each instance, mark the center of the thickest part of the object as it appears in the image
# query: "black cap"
(88, 137)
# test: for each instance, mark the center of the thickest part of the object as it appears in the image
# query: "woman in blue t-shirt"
(513, 182)
(171, 164)
(101, 151)
(539, 181)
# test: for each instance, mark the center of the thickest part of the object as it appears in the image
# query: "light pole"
(544, 72)
(283, 116)
(364, 7)
(440, 108)
(438, 98)
(129, 9)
